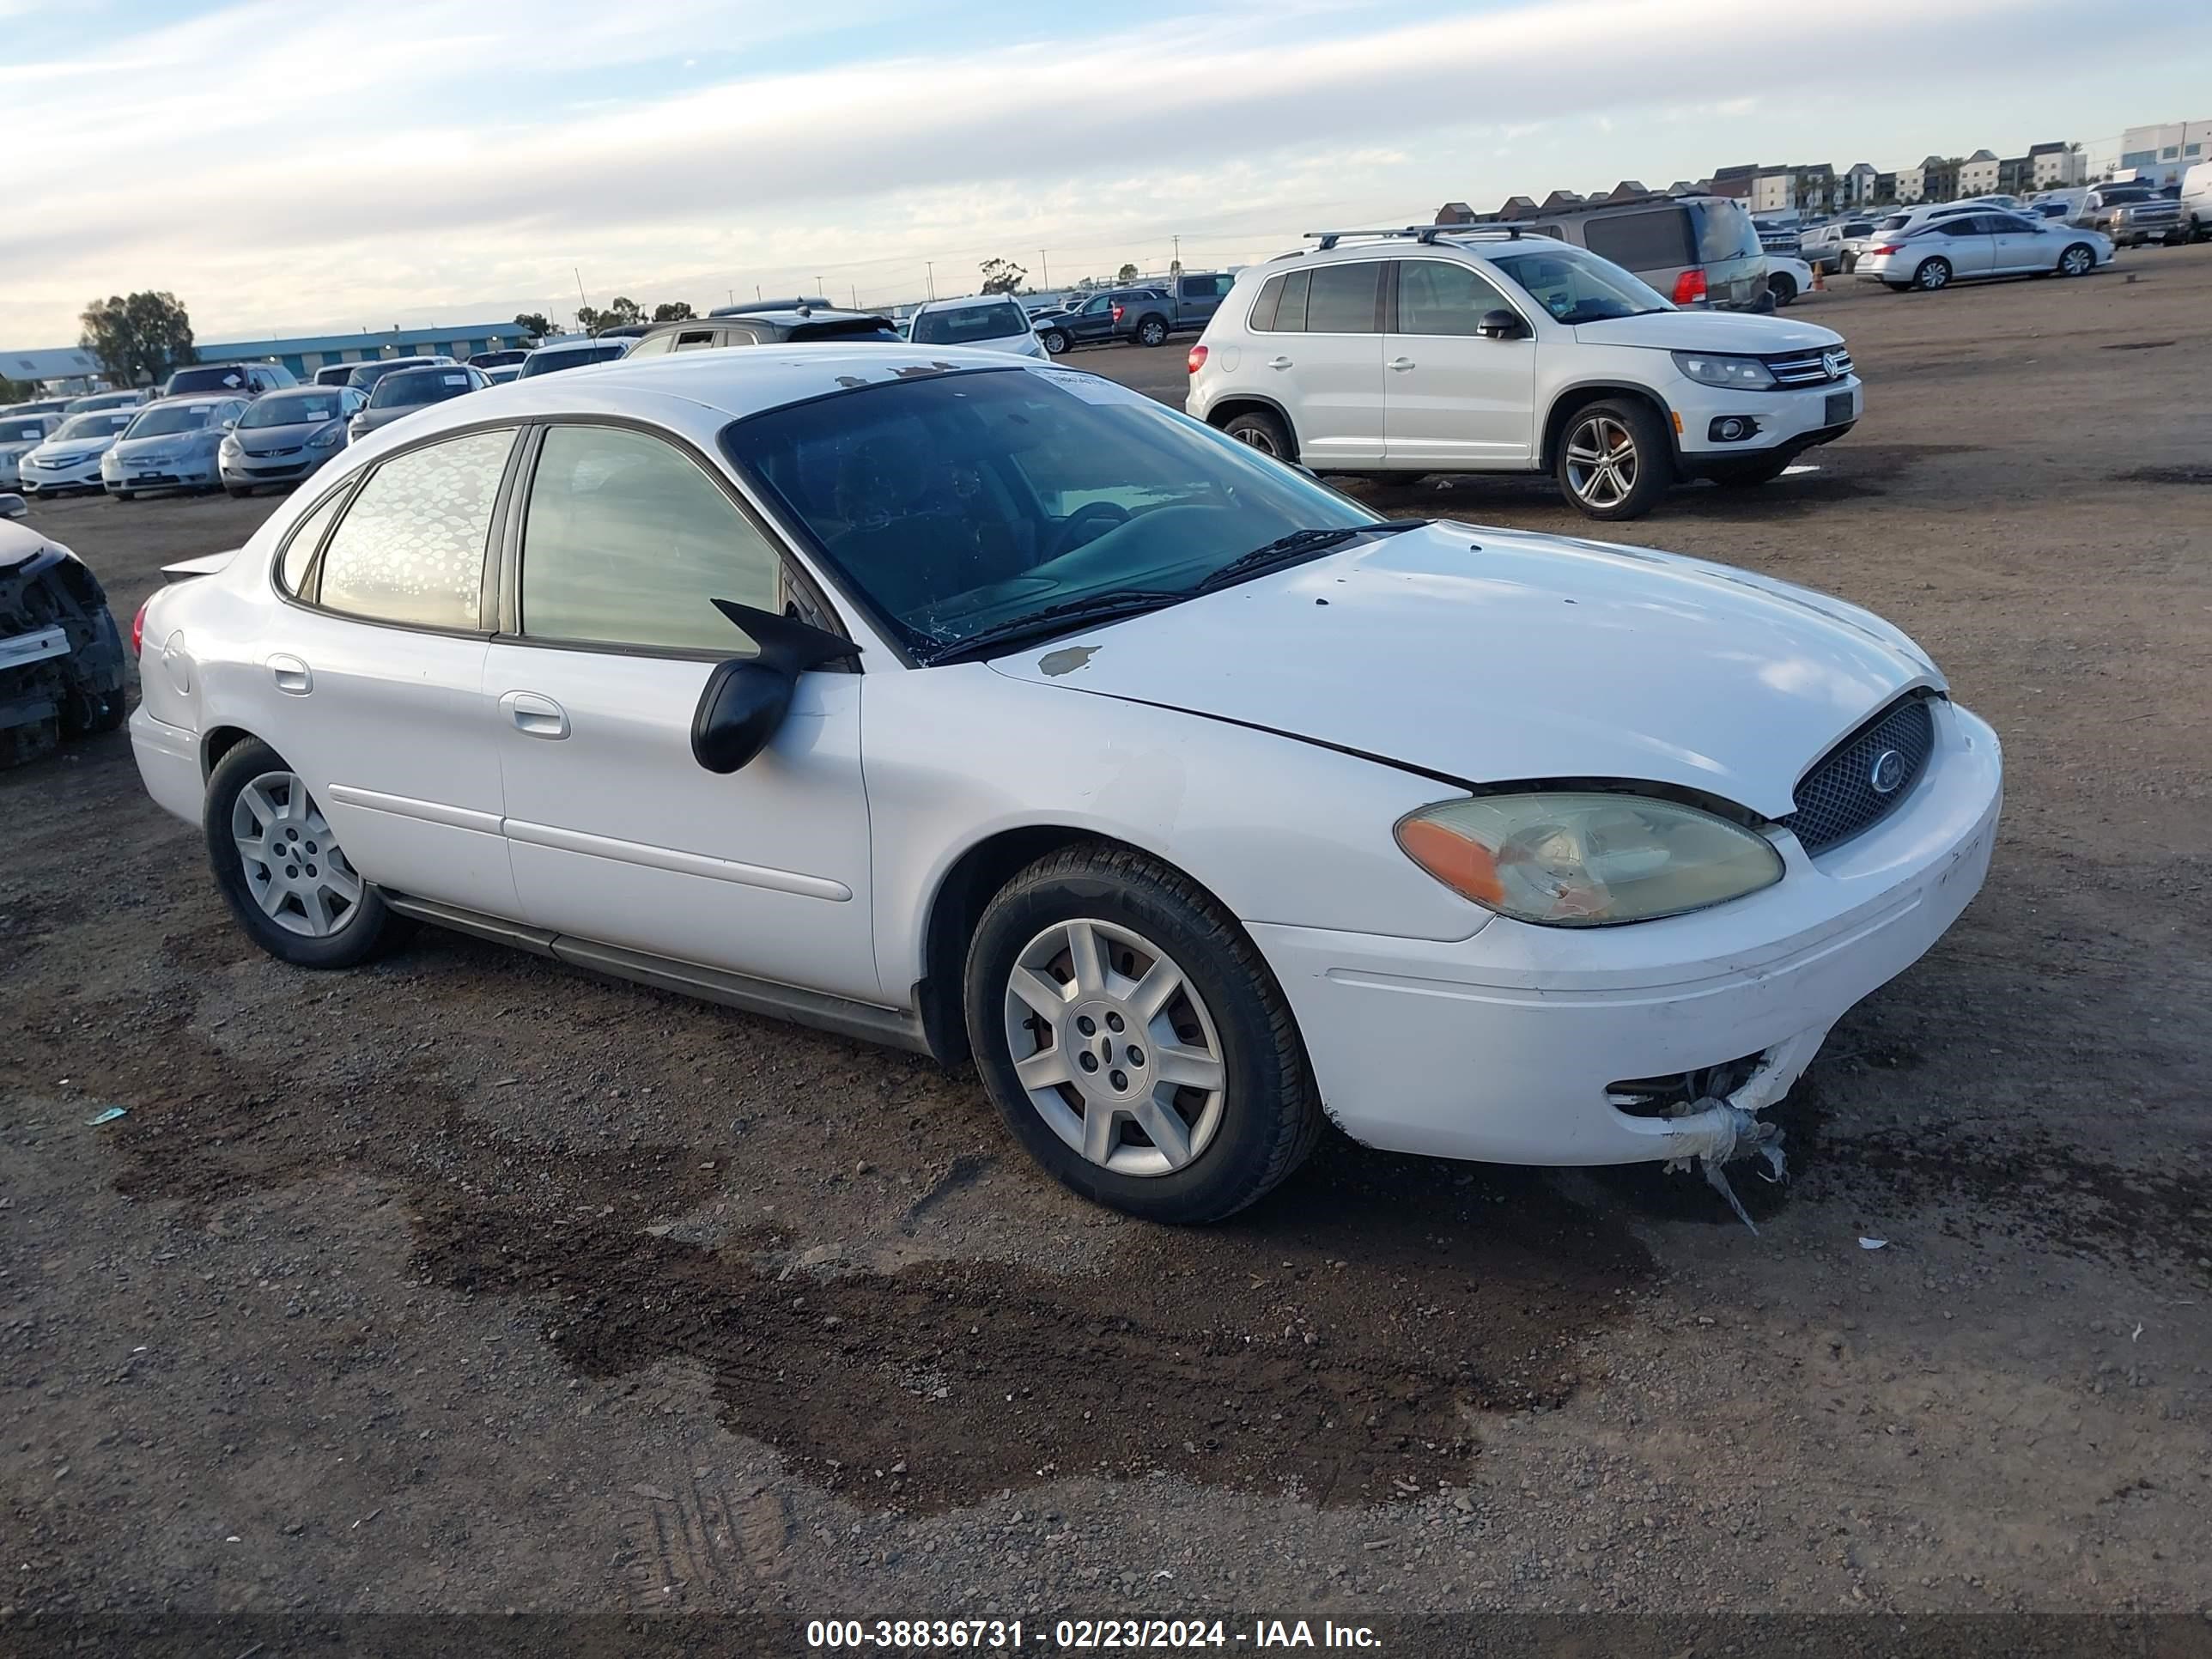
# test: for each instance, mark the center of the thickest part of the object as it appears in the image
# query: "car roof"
(966, 299)
(784, 317)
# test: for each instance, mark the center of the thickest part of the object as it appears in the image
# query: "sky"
(289, 169)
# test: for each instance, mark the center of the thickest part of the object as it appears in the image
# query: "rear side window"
(1342, 300)
(696, 339)
(307, 537)
(1206, 288)
(410, 548)
(1438, 298)
(1282, 306)
(1642, 241)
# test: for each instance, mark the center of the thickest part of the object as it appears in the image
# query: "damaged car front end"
(62, 669)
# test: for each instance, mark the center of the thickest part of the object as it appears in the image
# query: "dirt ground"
(469, 1283)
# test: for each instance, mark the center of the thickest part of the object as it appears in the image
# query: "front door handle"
(292, 676)
(1278, 363)
(535, 716)
(1402, 364)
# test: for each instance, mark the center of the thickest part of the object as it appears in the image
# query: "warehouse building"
(304, 356)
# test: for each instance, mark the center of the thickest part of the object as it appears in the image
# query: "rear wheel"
(1134, 1040)
(1782, 287)
(280, 867)
(1932, 275)
(1264, 432)
(1153, 332)
(1613, 460)
(2079, 260)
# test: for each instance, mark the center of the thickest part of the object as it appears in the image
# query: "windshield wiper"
(1059, 618)
(1297, 545)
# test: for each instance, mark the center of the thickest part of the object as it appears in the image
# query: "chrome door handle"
(1402, 364)
(535, 716)
(292, 676)
(1278, 363)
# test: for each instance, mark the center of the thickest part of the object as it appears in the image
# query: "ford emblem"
(1887, 772)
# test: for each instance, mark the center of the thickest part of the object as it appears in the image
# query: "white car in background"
(19, 435)
(990, 322)
(71, 459)
(1787, 278)
(987, 709)
(1989, 242)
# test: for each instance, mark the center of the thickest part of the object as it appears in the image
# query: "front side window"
(1342, 300)
(1438, 298)
(1576, 286)
(1657, 240)
(410, 548)
(627, 542)
(991, 320)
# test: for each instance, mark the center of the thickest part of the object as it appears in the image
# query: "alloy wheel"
(1600, 462)
(2076, 261)
(294, 867)
(1256, 437)
(1115, 1048)
(1933, 275)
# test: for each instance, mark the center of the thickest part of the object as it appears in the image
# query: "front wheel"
(1054, 341)
(1613, 461)
(1782, 287)
(280, 867)
(2079, 260)
(1932, 275)
(1151, 332)
(1134, 1040)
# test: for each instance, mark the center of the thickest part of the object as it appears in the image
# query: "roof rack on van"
(1425, 234)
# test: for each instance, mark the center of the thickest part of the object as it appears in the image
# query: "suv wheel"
(1265, 432)
(280, 867)
(1054, 341)
(1151, 332)
(1134, 1040)
(1932, 275)
(1613, 460)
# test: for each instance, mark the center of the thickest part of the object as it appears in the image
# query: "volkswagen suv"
(1395, 353)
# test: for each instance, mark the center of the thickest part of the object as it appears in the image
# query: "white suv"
(1434, 351)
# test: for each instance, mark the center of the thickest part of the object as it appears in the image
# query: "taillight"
(1883, 247)
(138, 629)
(1117, 314)
(1690, 286)
(1197, 358)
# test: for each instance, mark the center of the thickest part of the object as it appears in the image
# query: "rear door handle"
(292, 676)
(1278, 363)
(535, 716)
(1402, 364)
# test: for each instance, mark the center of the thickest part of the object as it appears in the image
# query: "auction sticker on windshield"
(1092, 388)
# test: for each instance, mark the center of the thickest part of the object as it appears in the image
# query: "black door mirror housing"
(746, 699)
(1500, 325)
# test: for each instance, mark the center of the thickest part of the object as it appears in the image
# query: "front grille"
(268, 455)
(1808, 368)
(1837, 800)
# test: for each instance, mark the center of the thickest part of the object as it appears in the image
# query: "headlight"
(1586, 860)
(326, 437)
(1738, 374)
(231, 447)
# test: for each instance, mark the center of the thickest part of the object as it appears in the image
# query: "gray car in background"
(363, 377)
(171, 446)
(571, 354)
(283, 436)
(1699, 250)
(407, 390)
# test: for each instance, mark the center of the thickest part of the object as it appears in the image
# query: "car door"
(373, 693)
(1451, 397)
(1321, 345)
(618, 547)
(2017, 244)
(1095, 321)
(1965, 241)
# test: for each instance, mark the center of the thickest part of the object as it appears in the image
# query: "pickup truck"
(1187, 305)
(2132, 215)
(1091, 321)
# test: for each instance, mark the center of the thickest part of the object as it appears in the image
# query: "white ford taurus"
(985, 708)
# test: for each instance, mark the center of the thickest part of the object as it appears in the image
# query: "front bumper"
(251, 469)
(182, 474)
(1794, 419)
(45, 480)
(1503, 1047)
(168, 759)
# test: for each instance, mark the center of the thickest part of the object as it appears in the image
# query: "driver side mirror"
(1500, 325)
(745, 699)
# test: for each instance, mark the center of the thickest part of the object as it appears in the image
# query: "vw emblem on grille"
(1833, 362)
(1886, 772)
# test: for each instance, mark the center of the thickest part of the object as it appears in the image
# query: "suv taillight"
(1117, 314)
(138, 629)
(1197, 358)
(1690, 286)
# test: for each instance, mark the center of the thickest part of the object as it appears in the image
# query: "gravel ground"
(467, 1283)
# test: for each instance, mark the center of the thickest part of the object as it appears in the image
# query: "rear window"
(846, 328)
(1657, 240)
(964, 324)
(21, 432)
(216, 377)
(1722, 231)
(545, 360)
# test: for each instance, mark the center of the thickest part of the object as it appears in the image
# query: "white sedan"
(1960, 247)
(981, 707)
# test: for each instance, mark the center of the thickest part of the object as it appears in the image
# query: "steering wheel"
(1112, 512)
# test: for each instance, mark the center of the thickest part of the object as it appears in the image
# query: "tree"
(1002, 277)
(620, 310)
(673, 311)
(139, 339)
(17, 391)
(586, 319)
(1126, 274)
(536, 324)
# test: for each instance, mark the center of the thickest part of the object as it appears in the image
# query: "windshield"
(21, 432)
(2131, 193)
(420, 386)
(170, 418)
(964, 501)
(294, 409)
(987, 320)
(1576, 286)
(545, 361)
(97, 425)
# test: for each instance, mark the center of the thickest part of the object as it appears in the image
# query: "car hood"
(57, 449)
(1708, 330)
(1488, 656)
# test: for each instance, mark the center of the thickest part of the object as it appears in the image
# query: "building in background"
(304, 355)
(2159, 154)
(2055, 166)
(1855, 185)
(1933, 181)
(57, 371)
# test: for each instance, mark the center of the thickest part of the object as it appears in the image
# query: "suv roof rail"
(1425, 235)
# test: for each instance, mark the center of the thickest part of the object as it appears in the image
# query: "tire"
(1056, 343)
(1742, 475)
(289, 818)
(1264, 431)
(1849, 263)
(1613, 460)
(1250, 1119)
(1932, 275)
(126, 495)
(1153, 332)
(2079, 259)
(237, 492)
(1783, 288)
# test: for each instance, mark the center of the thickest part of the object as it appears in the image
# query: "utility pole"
(1044, 270)
(579, 274)
(930, 266)
(856, 297)
(1178, 255)
(733, 295)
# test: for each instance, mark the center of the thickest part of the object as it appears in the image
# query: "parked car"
(762, 328)
(62, 666)
(19, 435)
(92, 403)
(1500, 352)
(570, 354)
(2133, 214)
(992, 322)
(1699, 250)
(363, 377)
(335, 374)
(1787, 276)
(1187, 304)
(1834, 248)
(1096, 320)
(401, 394)
(487, 361)
(634, 738)
(2196, 200)
(171, 444)
(39, 406)
(1961, 246)
(286, 436)
(815, 302)
(227, 379)
(503, 374)
(70, 459)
